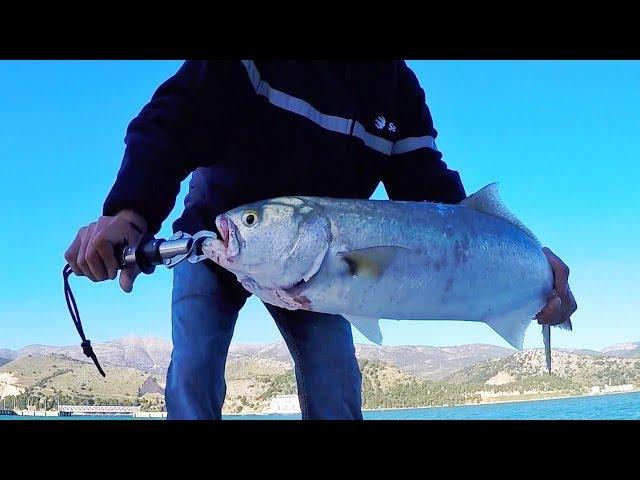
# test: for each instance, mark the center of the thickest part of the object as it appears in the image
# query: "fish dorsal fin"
(487, 200)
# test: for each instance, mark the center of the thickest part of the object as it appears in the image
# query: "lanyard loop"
(87, 349)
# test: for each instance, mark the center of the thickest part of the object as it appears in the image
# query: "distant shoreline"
(514, 400)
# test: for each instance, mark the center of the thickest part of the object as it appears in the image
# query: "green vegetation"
(39, 400)
(152, 402)
(540, 383)
(281, 384)
(405, 391)
(49, 380)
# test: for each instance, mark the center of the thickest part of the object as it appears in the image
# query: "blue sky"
(560, 136)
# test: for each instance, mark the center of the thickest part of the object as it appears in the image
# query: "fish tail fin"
(566, 325)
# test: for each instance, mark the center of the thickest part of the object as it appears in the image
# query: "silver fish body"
(372, 259)
(450, 262)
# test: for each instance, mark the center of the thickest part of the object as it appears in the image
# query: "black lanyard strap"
(87, 349)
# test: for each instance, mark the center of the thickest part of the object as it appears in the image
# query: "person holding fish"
(248, 131)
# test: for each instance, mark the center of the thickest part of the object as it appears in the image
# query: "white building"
(618, 388)
(628, 387)
(284, 404)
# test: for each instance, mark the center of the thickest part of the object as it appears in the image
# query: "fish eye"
(249, 218)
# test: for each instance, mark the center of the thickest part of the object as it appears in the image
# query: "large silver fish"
(372, 259)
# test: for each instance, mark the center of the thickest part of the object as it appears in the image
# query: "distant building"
(628, 387)
(284, 404)
(618, 388)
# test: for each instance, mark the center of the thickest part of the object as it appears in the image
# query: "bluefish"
(371, 259)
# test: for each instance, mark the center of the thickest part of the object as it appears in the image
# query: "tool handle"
(150, 252)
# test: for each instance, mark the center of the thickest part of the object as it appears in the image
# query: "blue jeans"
(205, 305)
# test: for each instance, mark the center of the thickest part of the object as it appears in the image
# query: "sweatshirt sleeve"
(416, 171)
(187, 124)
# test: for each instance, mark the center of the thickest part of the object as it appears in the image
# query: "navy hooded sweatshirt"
(252, 130)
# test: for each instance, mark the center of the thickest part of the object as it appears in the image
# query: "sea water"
(623, 406)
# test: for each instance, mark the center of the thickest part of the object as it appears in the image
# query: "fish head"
(276, 243)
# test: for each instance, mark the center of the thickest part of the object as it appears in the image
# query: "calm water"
(624, 406)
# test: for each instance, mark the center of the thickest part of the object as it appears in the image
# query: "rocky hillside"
(386, 386)
(152, 355)
(60, 377)
(431, 362)
(581, 370)
(581, 351)
(625, 350)
(392, 376)
(277, 352)
(149, 355)
(7, 354)
(42, 380)
(421, 361)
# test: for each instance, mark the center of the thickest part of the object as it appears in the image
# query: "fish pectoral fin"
(370, 262)
(368, 326)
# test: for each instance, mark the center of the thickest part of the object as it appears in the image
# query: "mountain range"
(406, 375)
(152, 355)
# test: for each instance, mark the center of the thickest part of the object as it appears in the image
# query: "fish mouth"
(229, 236)
(222, 223)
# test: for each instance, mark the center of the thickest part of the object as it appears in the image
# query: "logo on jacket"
(380, 122)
